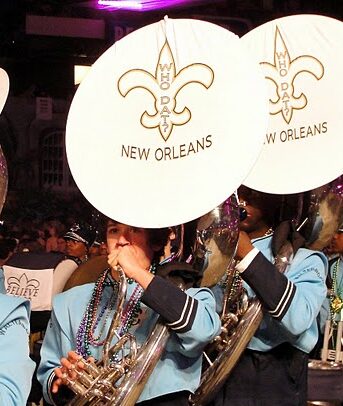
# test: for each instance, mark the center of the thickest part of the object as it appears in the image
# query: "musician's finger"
(59, 372)
(69, 368)
(112, 260)
(113, 255)
(72, 371)
(66, 363)
(56, 385)
(73, 356)
(60, 379)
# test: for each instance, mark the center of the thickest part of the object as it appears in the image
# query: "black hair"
(7, 245)
(269, 204)
(157, 237)
(12, 243)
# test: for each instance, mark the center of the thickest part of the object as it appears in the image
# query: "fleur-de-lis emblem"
(164, 87)
(336, 304)
(283, 73)
(23, 282)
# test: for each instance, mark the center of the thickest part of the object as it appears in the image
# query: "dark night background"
(28, 58)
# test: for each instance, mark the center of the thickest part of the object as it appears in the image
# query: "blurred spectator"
(61, 245)
(103, 248)
(79, 238)
(55, 230)
(29, 243)
(333, 304)
(94, 250)
(337, 242)
(41, 235)
(335, 248)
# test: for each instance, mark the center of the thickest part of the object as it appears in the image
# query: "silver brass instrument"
(142, 135)
(241, 317)
(96, 385)
(122, 382)
(326, 211)
(237, 330)
(216, 237)
(264, 177)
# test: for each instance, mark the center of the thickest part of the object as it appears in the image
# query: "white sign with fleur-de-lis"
(302, 61)
(167, 123)
(33, 284)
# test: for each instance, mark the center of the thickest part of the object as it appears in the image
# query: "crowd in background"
(29, 235)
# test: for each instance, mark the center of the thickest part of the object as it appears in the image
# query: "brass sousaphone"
(302, 149)
(159, 149)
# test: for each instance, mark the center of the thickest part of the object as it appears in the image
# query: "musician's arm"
(191, 315)
(16, 368)
(293, 298)
(56, 344)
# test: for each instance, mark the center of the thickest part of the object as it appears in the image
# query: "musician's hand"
(68, 369)
(244, 245)
(127, 258)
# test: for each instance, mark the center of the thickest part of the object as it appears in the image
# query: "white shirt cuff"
(246, 261)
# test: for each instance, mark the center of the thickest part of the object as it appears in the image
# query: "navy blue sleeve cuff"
(273, 288)
(176, 307)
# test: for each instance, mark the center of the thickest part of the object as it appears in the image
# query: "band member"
(81, 317)
(273, 369)
(333, 306)
(79, 238)
(16, 367)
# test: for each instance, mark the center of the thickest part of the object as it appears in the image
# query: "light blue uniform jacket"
(297, 300)
(298, 326)
(180, 366)
(16, 367)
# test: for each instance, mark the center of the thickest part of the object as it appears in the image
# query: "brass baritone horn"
(98, 384)
(121, 383)
(241, 318)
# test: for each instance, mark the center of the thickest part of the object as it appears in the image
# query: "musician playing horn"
(16, 367)
(273, 369)
(335, 276)
(332, 308)
(81, 317)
